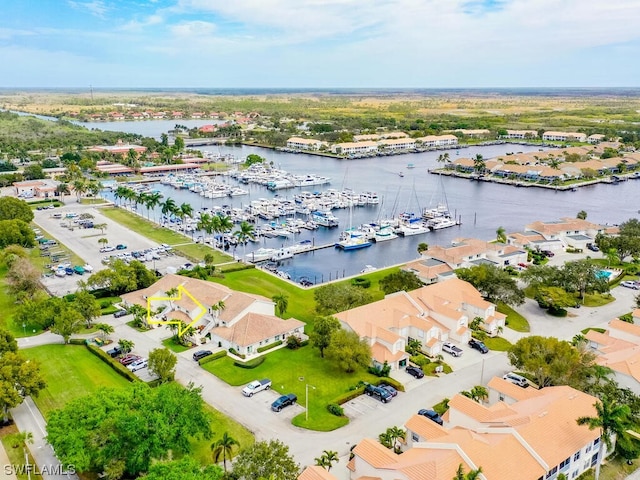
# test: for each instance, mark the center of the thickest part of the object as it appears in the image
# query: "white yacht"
(385, 233)
(260, 255)
(441, 222)
(415, 228)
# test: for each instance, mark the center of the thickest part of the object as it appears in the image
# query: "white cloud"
(196, 28)
(140, 25)
(96, 7)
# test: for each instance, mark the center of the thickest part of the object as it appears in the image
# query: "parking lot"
(84, 243)
(364, 405)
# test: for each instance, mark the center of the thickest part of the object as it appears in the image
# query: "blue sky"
(320, 43)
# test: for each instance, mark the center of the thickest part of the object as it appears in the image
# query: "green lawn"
(173, 346)
(498, 344)
(515, 321)
(163, 235)
(70, 371)
(290, 371)
(613, 469)
(220, 424)
(16, 455)
(93, 201)
(7, 307)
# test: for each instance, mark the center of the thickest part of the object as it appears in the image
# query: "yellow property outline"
(181, 290)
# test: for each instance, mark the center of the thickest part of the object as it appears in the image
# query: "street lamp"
(306, 400)
(24, 327)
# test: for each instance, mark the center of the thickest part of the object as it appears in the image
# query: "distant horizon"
(337, 44)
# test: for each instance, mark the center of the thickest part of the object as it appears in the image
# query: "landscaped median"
(291, 371)
(151, 230)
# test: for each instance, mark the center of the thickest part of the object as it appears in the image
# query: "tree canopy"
(12, 208)
(493, 283)
(348, 351)
(95, 433)
(184, 469)
(400, 281)
(266, 460)
(337, 297)
(121, 277)
(323, 328)
(162, 363)
(552, 362)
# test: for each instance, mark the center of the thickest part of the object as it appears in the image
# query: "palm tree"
(171, 294)
(186, 210)
(130, 195)
(187, 331)
(245, 233)
(141, 199)
(80, 187)
(472, 475)
(168, 207)
(422, 247)
(226, 225)
(62, 189)
(125, 345)
(327, 459)
(396, 433)
(282, 303)
(153, 200)
(103, 241)
(477, 394)
(612, 257)
(386, 439)
(120, 192)
(223, 448)
(207, 224)
(101, 227)
(478, 163)
(105, 329)
(611, 418)
(501, 235)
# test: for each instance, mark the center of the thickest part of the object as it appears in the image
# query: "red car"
(523, 265)
(129, 358)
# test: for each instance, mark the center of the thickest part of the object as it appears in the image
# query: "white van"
(516, 379)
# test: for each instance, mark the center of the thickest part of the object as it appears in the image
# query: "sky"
(319, 43)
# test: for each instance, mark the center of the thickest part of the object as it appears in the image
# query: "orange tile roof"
(315, 473)
(254, 327)
(424, 427)
(511, 390)
(626, 327)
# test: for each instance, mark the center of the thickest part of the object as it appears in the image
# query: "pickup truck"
(452, 349)
(256, 386)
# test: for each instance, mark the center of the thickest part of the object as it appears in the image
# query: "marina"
(477, 208)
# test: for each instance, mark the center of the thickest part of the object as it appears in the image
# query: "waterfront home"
(298, 143)
(397, 143)
(570, 232)
(219, 316)
(596, 138)
(536, 436)
(618, 348)
(521, 134)
(354, 148)
(464, 253)
(433, 314)
(564, 136)
(438, 140)
(379, 136)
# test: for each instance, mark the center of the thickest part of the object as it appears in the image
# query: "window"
(574, 474)
(552, 472)
(501, 397)
(576, 456)
(588, 449)
(565, 463)
(594, 459)
(415, 437)
(596, 441)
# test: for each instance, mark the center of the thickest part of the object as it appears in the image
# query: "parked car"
(548, 253)
(630, 284)
(114, 352)
(523, 265)
(452, 349)
(120, 313)
(378, 393)
(138, 365)
(431, 415)
(593, 247)
(516, 379)
(389, 388)
(284, 401)
(200, 354)
(129, 358)
(415, 372)
(256, 386)
(478, 345)
(121, 246)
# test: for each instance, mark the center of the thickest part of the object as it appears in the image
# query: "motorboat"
(415, 228)
(385, 233)
(260, 255)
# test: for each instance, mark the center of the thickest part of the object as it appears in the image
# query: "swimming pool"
(604, 274)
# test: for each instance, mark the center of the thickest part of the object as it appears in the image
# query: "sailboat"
(439, 217)
(352, 239)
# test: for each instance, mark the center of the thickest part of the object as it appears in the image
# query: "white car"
(108, 248)
(630, 284)
(452, 349)
(138, 365)
(87, 267)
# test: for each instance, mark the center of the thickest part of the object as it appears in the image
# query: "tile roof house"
(432, 315)
(438, 261)
(535, 435)
(572, 232)
(228, 318)
(299, 143)
(315, 473)
(619, 349)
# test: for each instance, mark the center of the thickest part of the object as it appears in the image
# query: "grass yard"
(515, 321)
(201, 449)
(16, 455)
(163, 235)
(498, 344)
(7, 306)
(93, 201)
(70, 371)
(329, 381)
(173, 346)
(614, 469)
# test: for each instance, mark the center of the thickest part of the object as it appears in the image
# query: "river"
(482, 207)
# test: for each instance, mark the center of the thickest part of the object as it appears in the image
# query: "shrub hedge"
(270, 346)
(253, 363)
(77, 341)
(345, 397)
(211, 358)
(393, 382)
(335, 409)
(117, 366)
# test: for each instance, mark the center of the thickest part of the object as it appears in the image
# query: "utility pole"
(91, 89)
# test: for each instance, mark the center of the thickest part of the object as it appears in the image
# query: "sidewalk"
(4, 461)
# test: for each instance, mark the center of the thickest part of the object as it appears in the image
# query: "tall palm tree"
(226, 225)
(282, 303)
(501, 235)
(186, 210)
(206, 224)
(478, 163)
(153, 200)
(245, 233)
(105, 329)
(141, 198)
(396, 434)
(223, 448)
(327, 459)
(120, 192)
(129, 195)
(168, 207)
(80, 187)
(472, 475)
(611, 418)
(477, 393)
